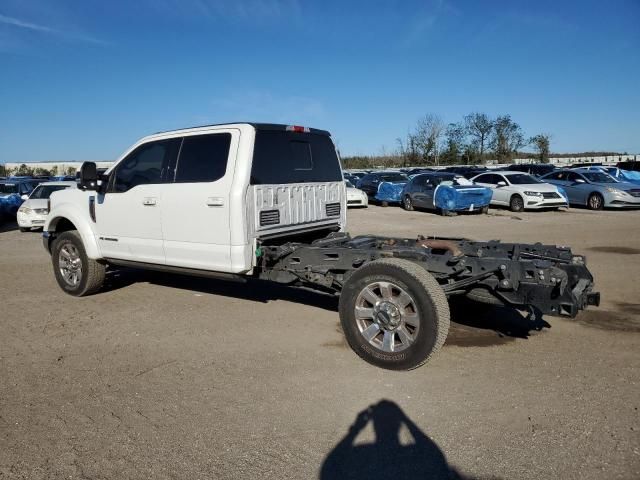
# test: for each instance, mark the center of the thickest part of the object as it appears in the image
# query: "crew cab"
(268, 202)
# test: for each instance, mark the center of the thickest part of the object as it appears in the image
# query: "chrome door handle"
(149, 201)
(215, 202)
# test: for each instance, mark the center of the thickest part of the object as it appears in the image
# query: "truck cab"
(202, 198)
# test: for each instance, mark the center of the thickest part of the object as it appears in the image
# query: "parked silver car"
(595, 189)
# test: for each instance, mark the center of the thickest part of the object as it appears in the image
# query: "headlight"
(615, 191)
(41, 211)
(533, 194)
(25, 210)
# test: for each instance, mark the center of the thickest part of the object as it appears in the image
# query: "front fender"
(82, 222)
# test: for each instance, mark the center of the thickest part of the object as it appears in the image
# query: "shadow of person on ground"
(251, 289)
(387, 458)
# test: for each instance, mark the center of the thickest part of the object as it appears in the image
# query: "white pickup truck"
(268, 202)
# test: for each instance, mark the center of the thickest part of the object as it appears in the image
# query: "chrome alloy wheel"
(387, 316)
(70, 264)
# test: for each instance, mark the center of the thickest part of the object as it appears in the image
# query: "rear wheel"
(595, 201)
(484, 210)
(516, 204)
(77, 274)
(394, 314)
(407, 204)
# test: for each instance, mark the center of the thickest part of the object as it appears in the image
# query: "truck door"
(195, 214)
(127, 215)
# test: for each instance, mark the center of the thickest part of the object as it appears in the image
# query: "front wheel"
(77, 274)
(516, 204)
(407, 204)
(595, 201)
(394, 314)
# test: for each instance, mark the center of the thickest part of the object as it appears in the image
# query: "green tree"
(541, 144)
(506, 138)
(454, 150)
(24, 170)
(479, 127)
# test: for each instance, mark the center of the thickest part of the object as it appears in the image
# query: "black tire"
(516, 204)
(595, 201)
(407, 204)
(384, 203)
(25, 229)
(428, 299)
(484, 210)
(91, 276)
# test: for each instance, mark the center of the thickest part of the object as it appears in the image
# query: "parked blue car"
(445, 192)
(13, 192)
(595, 189)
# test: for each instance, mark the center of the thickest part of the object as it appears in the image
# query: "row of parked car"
(474, 189)
(27, 199)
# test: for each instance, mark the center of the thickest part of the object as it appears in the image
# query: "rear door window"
(203, 158)
(281, 157)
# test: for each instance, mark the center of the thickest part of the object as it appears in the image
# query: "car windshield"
(599, 177)
(522, 179)
(8, 188)
(393, 177)
(44, 191)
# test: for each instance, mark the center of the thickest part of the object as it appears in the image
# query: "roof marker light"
(297, 128)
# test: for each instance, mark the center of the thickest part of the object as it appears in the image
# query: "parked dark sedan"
(370, 182)
(535, 169)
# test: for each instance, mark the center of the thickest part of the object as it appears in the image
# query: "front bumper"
(32, 220)
(538, 202)
(357, 201)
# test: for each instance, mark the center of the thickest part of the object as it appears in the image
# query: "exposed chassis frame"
(545, 279)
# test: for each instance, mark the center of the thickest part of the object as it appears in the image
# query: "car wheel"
(394, 314)
(77, 274)
(595, 201)
(384, 203)
(484, 210)
(516, 204)
(25, 229)
(407, 204)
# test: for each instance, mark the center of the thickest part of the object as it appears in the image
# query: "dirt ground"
(173, 377)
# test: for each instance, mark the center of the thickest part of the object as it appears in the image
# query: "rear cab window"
(282, 157)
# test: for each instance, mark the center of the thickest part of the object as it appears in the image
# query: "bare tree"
(428, 135)
(541, 144)
(507, 138)
(454, 143)
(479, 127)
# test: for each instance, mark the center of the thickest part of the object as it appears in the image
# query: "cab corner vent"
(333, 209)
(269, 217)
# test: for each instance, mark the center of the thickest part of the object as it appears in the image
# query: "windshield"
(599, 177)
(45, 191)
(7, 188)
(393, 177)
(522, 179)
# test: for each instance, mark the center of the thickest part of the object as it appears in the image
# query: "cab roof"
(278, 127)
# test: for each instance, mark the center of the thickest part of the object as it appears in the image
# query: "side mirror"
(88, 176)
(502, 183)
(24, 196)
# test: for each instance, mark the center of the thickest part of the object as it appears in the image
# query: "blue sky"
(83, 79)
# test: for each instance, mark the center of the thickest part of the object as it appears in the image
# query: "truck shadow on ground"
(474, 324)
(389, 456)
(479, 325)
(252, 290)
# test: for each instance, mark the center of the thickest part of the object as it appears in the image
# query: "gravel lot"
(174, 377)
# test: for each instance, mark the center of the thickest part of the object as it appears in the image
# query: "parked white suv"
(520, 191)
(33, 212)
(268, 202)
